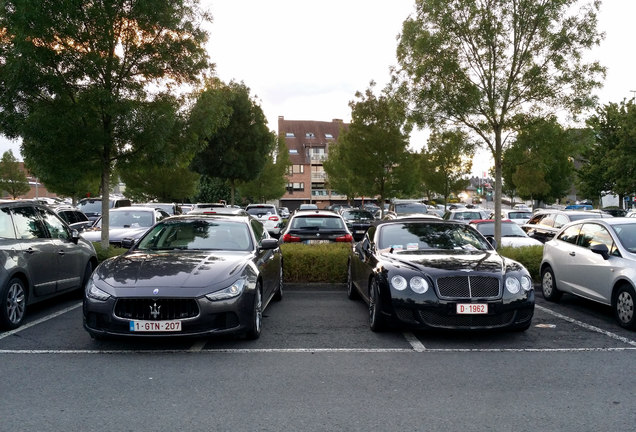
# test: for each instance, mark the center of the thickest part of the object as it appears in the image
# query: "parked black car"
(189, 275)
(41, 258)
(431, 273)
(316, 226)
(544, 224)
(73, 217)
(358, 221)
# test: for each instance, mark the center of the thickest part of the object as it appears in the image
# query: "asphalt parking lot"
(317, 366)
(319, 317)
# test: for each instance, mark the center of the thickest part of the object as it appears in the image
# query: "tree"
(539, 162)
(341, 173)
(12, 179)
(110, 67)
(375, 147)
(271, 183)
(446, 162)
(477, 64)
(237, 150)
(608, 162)
(164, 184)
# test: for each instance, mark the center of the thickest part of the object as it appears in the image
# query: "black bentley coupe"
(190, 275)
(428, 273)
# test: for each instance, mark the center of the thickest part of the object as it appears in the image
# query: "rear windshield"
(317, 222)
(261, 211)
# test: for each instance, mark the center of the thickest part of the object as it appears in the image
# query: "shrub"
(325, 263)
(103, 254)
(529, 256)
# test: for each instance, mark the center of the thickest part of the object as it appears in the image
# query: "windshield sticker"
(397, 248)
(412, 246)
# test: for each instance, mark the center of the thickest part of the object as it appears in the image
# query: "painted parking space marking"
(414, 341)
(319, 350)
(41, 320)
(587, 326)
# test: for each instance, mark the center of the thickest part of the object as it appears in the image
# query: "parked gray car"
(594, 259)
(41, 258)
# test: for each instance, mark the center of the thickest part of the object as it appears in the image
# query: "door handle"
(572, 253)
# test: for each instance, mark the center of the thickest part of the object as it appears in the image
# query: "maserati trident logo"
(154, 311)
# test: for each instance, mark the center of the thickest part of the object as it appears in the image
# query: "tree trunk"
(498, 174)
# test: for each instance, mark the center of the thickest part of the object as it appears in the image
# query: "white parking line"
(319, 350)
(415, 342)
(39, 321)
(587, 326)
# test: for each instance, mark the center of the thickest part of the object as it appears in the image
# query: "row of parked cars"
(216, 269)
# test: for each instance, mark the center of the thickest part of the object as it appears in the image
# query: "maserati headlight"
(230, 292)
(399, 283)
(513, 285)
(95, 293)
(419, 285)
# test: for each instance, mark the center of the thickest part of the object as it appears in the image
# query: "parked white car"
(511, 233)
(594, 259)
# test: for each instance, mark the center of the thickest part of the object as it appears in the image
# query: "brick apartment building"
(308, 144)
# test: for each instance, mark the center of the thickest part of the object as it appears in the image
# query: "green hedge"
(103, 254)
(325, 263)
(529, 256)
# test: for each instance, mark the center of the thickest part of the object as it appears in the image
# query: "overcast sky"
(305, 60)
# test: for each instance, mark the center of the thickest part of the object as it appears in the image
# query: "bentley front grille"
(460, 287)
(156, 309)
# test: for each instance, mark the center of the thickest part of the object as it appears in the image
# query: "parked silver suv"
(268, 215)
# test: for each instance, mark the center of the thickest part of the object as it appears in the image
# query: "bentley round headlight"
(512, 285)
(399, 283)
(526, 283)
(419, 284)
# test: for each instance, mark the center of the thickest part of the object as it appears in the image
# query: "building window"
(328, 135)
(289, 135)
(309, 135)
(296, 169)
(292, 187)
(293, 151)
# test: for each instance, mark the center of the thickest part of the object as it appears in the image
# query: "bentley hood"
(444, 261)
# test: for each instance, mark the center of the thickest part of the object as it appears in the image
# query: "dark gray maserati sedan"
(190, 275)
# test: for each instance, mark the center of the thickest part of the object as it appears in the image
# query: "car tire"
(278, 295)
(377, 322)
(352, 294)
(14, 300)
(254, 331)
(548, 285)
(623, 306)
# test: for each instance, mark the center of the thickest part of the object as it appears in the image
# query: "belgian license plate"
(317, 241)
(155, 326)
(472, 308)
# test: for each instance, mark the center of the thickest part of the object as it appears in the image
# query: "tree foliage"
(111, 68)
(477, 64)
(372, 155)
(609, 165)
(446, 162)
(236, 150)
(271, 183)
(539, 165)
(12, 179)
